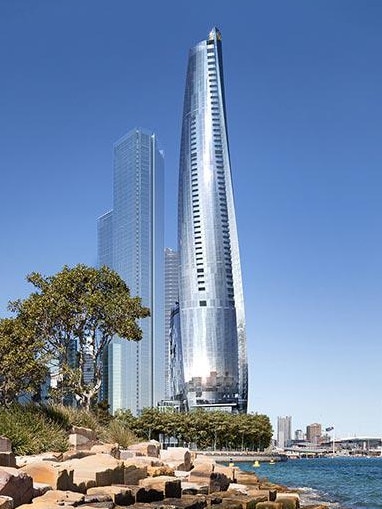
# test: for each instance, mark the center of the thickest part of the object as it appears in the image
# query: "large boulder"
(56, 475)
(170, 486)
(133, 473)
(289, 500)
(57, 498)
(120, 495)
(150, 448)
(95, 470)
(146, 495)
(177, 457)
(85, 432)
(229, 472)
(111, 449)
(17, 485)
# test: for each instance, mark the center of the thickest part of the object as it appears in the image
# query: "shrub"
(30, 431)
(117, 432)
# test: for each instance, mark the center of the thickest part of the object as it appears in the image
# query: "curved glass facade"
(211, 302)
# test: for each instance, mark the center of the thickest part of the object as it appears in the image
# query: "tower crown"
(215, 34)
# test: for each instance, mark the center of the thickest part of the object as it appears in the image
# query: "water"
(342, 483)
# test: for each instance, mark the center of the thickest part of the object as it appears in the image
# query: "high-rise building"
(171, 292)
(211, 303)
(130, 240)
(284, 431)
(313, 433)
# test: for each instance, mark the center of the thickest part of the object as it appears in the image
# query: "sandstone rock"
(218, 482)
(191, 488)
(289, 500)
(247, 479)
(177, 457)
(40, 489)
(60, 498)
(5, 444)
(201, 471)
(6, 502)
(186, 502)
(7, 459)
(124, 454)
(132, 474)
(95, 470)
(85, 432)
(120, 495)
(45, 456)
(142, 494)
(54, 474)
(163, 470)
(76, 440)
(73, 455)
(111, 449)
(229, 472)
(246, 501)
(150, 448)
(170, 486)
(143, 461)
(238, 488)
(17, 485)
(269, 505)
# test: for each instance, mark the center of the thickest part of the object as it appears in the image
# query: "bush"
(117, 432)
(30, 431)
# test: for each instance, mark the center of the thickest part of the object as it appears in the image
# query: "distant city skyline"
(303, 91)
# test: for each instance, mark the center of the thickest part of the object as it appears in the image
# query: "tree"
(75, 314)
(22, 367)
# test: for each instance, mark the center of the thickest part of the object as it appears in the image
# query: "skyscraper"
(284, 431)
(211, 303)
(171, 291)
(130, 240)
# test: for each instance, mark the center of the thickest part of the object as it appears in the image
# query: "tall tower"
(130, 240)
(211, 300)
(171, 291)
(284, 431)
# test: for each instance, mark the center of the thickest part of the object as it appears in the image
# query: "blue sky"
(303, 88)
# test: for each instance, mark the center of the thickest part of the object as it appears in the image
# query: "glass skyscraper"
(211, 304)
(130, 240)
(171, 296)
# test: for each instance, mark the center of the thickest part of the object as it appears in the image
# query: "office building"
(130, 240)
(284, 431)
(313, 433)
(211, 304)
(171, 293)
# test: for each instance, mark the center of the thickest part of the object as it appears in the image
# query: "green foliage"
(117, 432)
(22, 362)
(30, 431)
(66, 417)
(207, 430)
(71, 317)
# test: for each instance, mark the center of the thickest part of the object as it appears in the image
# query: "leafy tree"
(75, 314)
(22, 367)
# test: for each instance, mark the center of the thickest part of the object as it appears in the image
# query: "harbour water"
(341, 483)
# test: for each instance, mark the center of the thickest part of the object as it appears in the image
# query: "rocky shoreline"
(94, 475)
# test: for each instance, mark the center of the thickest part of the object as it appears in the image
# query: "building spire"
(215, 34)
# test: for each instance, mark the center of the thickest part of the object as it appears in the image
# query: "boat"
(256, 463)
